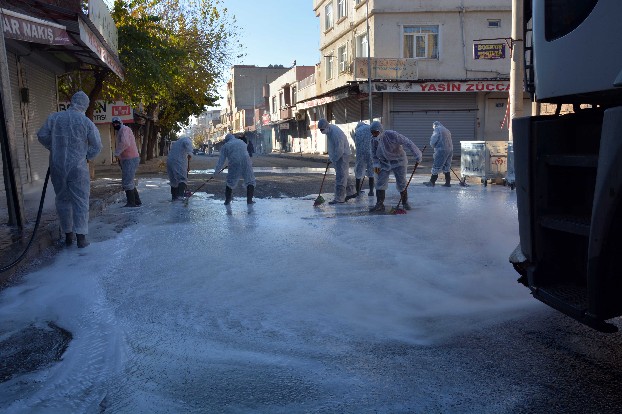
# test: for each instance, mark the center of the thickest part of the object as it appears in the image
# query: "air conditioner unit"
(300, 116)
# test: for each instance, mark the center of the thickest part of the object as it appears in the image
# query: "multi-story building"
(286, 124)
(419, 61)
(245, 93)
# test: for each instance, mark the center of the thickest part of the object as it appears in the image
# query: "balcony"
(286, 113)
(387, 69)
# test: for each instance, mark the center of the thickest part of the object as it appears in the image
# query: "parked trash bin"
(486, 160)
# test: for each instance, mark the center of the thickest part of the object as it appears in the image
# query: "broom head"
(396, 210)
(319, 200)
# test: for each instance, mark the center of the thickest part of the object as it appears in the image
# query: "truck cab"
(568, 166)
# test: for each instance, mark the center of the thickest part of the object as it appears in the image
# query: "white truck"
(569, 167)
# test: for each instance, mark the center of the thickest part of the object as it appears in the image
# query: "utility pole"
(10, 169)
(517, 67)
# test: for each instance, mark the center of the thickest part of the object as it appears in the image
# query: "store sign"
(92, 41)
(29, 29)
(104, 111)
(100, 16)
(488, 51)
(386, 68)
(474, 86)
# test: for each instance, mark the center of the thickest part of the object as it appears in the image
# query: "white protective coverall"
(443, 148)
(239, 165)
(389, 156)
(177, 161)
(72, 139)
(362, 139)
(339, 155)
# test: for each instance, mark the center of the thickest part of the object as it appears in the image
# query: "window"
(494, 23)
(357, 2)
(329, 67)
(342, 8)
(342, 56)
(294, 95)
(421, 42)
(361, 45)
(274, 104)
(281, 100)
(328, 16)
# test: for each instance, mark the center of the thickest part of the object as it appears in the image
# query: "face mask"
(116, 126)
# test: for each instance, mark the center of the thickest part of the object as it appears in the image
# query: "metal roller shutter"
(346, 110)
(42, 86)
(17, 117)
(413, 114)
(376, 108)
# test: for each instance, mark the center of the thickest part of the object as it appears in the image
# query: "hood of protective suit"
(322, 124)
(229, 137)
(80, 101)
(360, 124)
(376, 126)
(116, 119)
(436, 124)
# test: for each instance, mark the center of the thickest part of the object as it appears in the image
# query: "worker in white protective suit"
(388, 155)
(72, 139)
(339, 155)
(363, 166)
(239, 166)
(178, 165)
(443, 152)
(126, 152)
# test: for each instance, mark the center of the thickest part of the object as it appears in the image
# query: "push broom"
(319, 200)
(397, 209)
(461, 181)
(190, 194)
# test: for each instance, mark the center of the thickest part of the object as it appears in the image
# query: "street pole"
(371, 117)
(517, 64)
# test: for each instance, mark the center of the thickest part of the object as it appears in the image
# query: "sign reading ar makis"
(29, 29)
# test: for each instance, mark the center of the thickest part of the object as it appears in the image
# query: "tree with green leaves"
(174, 53)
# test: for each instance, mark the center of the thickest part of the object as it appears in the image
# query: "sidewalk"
(105, 190)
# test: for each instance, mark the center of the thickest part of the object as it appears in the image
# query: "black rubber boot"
(173, 193)
(68, 239)
(404, 195)
(358, 186)
(228, 195)
(371, 187)
(181, 190)
(379, 207)
(447, 180)
(131, 201)
(433, 178)
(82, 243)
(137, 198)
(250, 191)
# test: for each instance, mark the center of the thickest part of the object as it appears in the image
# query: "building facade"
(419, 61)
(42, 39)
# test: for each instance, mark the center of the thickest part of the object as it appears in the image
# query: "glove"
(377, 170)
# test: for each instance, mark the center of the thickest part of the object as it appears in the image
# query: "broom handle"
(411, 177)
(325, 171)
(207, 181)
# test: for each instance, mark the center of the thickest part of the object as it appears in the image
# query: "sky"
(277, 31)
(280, 307)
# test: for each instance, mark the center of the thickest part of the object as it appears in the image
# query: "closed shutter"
(412, 115)
(18, 119)
(376, 108)
(42, 86)
(346, 111)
